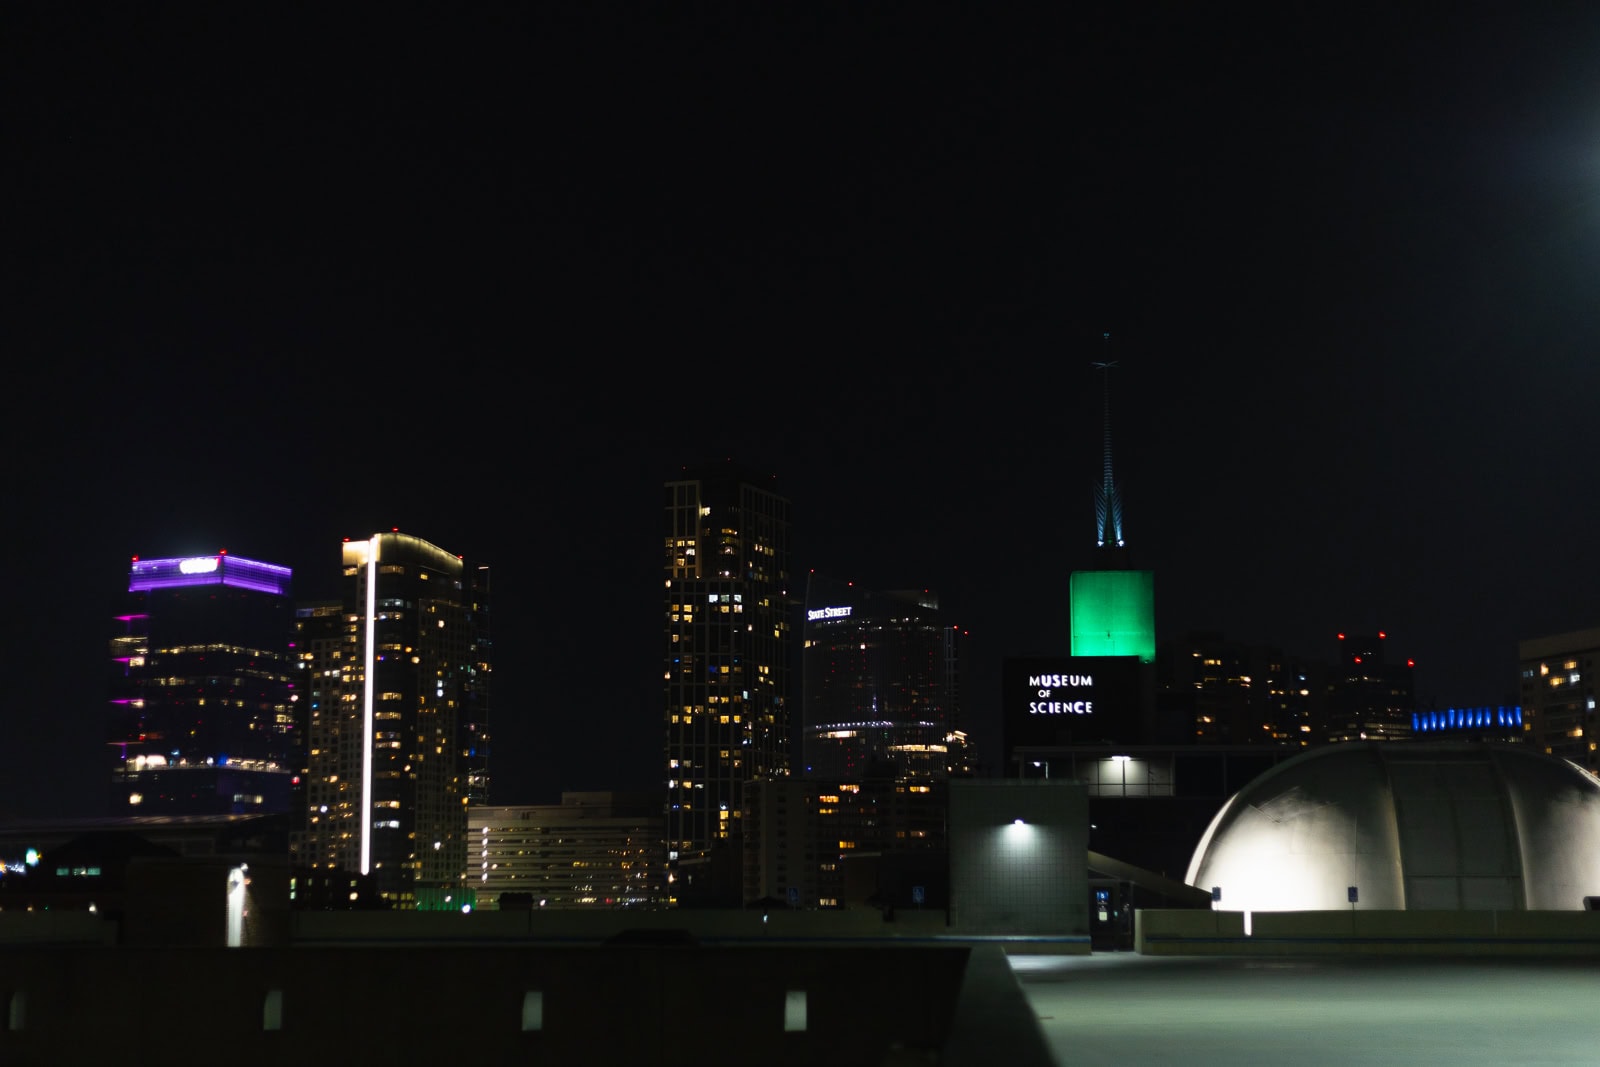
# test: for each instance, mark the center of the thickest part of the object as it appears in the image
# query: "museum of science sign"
(1070, 699)
(1050, 685)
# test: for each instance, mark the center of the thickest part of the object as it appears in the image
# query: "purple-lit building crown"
(201, 708)
(221, 569)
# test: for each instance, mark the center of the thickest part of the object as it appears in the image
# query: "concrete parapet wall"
(56, 928)
(1338, 932)
(416, 1004)
(1188, 924)
(705, 926)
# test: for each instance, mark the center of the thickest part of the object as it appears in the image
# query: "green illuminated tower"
(1113, 605)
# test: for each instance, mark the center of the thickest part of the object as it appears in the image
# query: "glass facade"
(397, 700)
(1370, 699)
(726, 610)
(880, 684)
(200, 718)
(823, 843)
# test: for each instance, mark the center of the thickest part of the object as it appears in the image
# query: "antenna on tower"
(1107, 497)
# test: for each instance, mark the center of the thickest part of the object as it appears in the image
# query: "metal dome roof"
(1409, 826)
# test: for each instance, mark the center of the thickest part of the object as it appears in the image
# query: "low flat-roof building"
(592, 850)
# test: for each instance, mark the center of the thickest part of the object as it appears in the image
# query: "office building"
(881, 685)
(1558, 695)
(592, 850)
(1103, 690)
(815, 842)
(201, 720)
(728, 633)
(782, 857)
(1369, 698)
(1228, 692)
(473, 727)
(392, 674)
(1113, 605)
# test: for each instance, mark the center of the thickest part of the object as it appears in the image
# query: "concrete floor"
(1122, 1008)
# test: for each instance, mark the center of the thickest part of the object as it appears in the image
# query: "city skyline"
(494, 280)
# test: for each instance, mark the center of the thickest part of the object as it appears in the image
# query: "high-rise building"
(1369, 698)
(473, 725)
(728, 633)
(1113, 606)
(396, 692)
(1229, 692)
(201, 719)
(880, 686)
(1558, 695)
(324, 660)
(817, 842)
(882, 733)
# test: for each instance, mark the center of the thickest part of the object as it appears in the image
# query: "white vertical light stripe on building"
(369, 663)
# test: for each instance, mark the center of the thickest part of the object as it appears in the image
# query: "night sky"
(491, 274)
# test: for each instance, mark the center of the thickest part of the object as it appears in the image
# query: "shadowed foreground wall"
(434, 1004)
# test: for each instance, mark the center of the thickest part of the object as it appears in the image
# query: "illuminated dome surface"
(1411, 826)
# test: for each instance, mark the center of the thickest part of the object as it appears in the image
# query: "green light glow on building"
(1114, 614)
